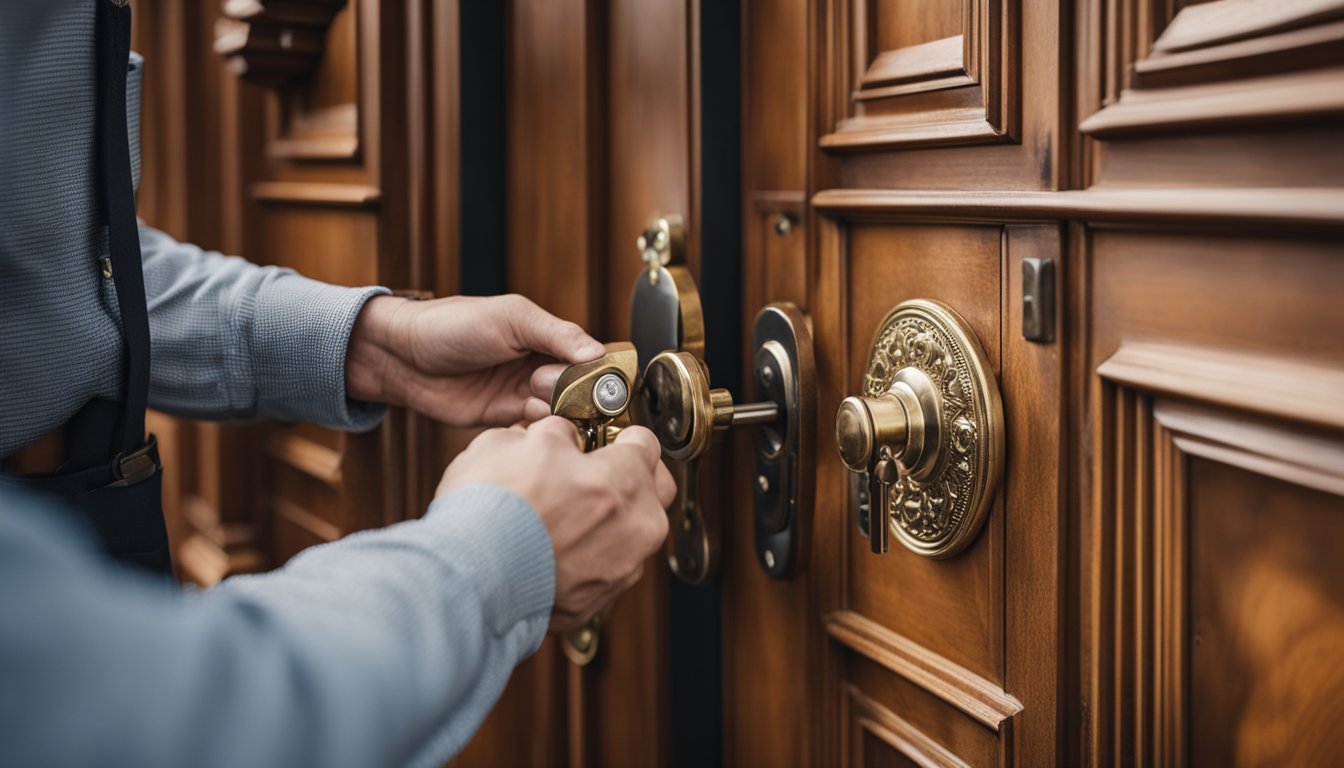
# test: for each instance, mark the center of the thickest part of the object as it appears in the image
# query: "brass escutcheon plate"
(939, 515)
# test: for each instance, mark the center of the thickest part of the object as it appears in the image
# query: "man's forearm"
(233, 340)
(385, 648)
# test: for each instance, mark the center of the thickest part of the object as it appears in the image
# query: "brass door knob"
(927, 431)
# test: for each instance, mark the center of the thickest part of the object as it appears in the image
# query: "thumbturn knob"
(927, 431)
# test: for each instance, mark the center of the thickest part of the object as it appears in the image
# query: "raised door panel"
(1211, 580)
(949, 661)
(952, 607)
(1186, 94)
(941, 95)
(933, 72)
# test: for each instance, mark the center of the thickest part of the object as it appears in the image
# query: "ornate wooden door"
(1134, 207)
(1160, 561)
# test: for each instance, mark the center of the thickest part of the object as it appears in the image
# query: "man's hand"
(465, 361)
(605, 510)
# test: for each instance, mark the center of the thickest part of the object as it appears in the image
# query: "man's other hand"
(466, 361)
(605, 510)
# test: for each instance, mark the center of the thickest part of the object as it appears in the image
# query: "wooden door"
(1157, 581)
(1161, 560)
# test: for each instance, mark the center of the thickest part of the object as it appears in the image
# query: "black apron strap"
(118, 197)
(113, 474)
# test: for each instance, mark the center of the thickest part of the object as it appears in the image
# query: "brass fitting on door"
(684, 412)
(927, 431)
(595, 396)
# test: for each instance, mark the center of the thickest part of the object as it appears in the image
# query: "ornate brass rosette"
(939, 511)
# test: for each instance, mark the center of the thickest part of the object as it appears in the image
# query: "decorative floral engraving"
(929, 514)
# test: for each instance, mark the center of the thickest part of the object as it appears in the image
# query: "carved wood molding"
(274, 42)
(1158, 410)
(869, 716)
(1223, 63)
(1301, 210)
(1225, 379)
(961, 89)
(977, 697)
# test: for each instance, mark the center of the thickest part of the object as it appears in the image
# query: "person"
(387, 647)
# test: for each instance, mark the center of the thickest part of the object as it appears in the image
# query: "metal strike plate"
(783, 373)
(1038, 299)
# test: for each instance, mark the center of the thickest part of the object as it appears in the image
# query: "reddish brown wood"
(1157, 572)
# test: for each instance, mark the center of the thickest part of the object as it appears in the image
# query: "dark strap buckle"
(137, 465)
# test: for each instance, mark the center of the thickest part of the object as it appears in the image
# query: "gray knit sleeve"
(233, 340)
(386, 648)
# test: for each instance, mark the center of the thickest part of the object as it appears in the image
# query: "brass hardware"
(661, 240)
(783, 225)
(580, 646)
(106, 264)
(685, 412)
(595, 396)
(927, 431)
(676, 402)
(665, 315)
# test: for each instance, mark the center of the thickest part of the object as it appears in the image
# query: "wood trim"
(1201, 26)
(1249, 102)
(1220, 64)
(1298, 208)
(1241, 381)
(969, 83)
(867, 714)
(317, 193)
(1268, 449)
(204, 563)
(312, 459)
(953, 128)
(977, 697)
(318, 527)
(323, 134)
(1248, 58)
(275, 42)
(786, 201)
(926, 61)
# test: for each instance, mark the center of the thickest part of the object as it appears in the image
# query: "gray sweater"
(385, 648)
(228, 339)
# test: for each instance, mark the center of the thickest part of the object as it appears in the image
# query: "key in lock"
(595, 396)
